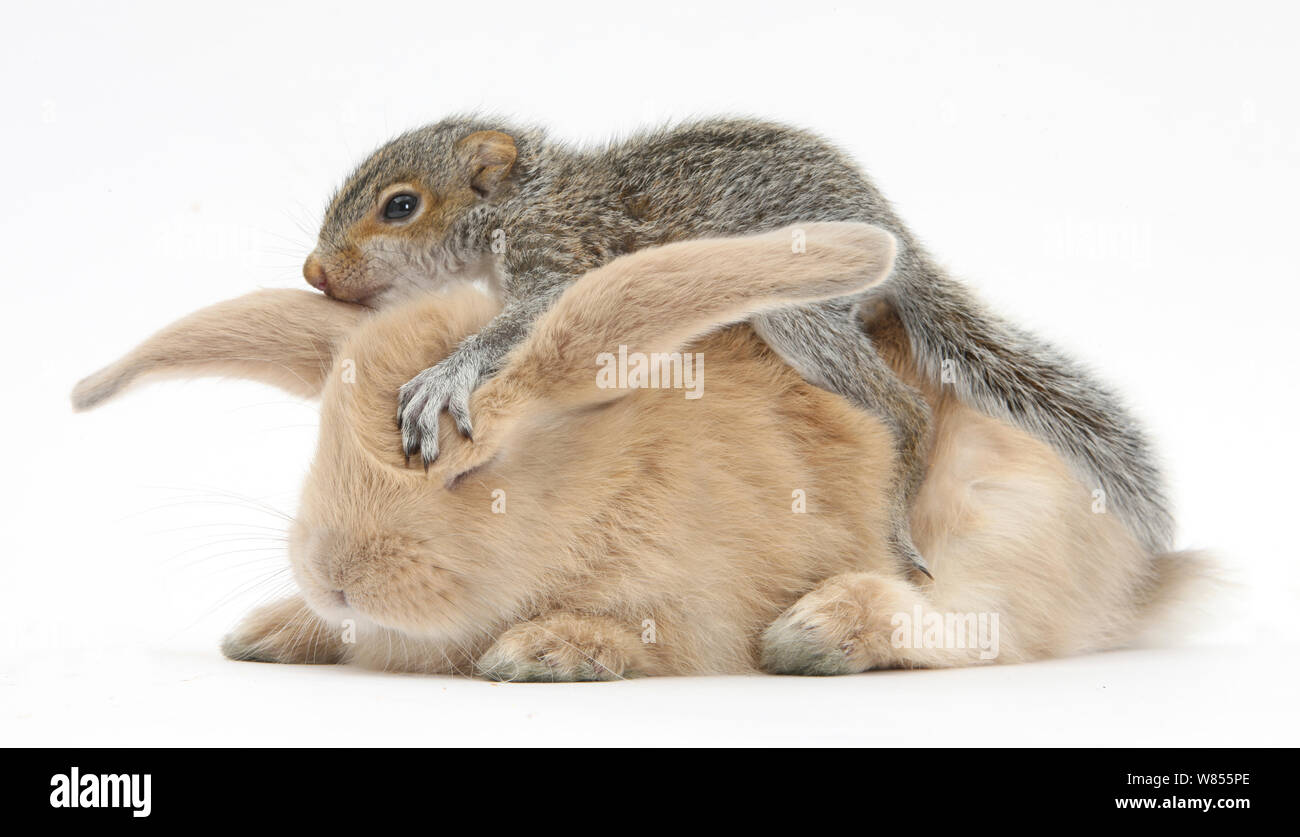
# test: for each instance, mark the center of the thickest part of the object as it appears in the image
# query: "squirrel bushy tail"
(1009, 373)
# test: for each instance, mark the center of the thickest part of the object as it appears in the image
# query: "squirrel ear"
(490, 155)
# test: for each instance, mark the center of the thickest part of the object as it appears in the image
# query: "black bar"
(328, 786)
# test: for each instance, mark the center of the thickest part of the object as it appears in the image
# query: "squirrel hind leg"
(828, 347)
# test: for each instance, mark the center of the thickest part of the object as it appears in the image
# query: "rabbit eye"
(400, 206)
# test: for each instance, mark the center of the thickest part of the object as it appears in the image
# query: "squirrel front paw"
(498, 407)
(445, 386)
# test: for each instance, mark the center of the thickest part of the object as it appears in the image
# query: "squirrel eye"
(400, 206)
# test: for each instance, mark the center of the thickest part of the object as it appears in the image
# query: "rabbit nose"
(340, 597)
(314, 272)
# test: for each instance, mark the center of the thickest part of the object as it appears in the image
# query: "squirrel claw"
(445, 386)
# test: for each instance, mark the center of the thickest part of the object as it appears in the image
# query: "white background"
(1121, 179)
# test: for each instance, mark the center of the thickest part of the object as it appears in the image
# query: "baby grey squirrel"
(470, 197)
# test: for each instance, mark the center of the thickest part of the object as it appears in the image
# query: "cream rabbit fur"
(596, 533)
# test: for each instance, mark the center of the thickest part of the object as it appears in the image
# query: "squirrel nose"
(314, 272)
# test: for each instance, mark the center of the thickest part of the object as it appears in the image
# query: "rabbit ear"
(657, 300)
(280, 337)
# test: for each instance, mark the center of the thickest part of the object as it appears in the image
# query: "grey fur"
(566, 211)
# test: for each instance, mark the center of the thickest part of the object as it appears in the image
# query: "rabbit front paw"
(287, 631)
(565, 647)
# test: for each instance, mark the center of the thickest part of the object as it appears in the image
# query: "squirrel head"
(390, 226)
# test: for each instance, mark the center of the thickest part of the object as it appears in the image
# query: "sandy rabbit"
(597, 531)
